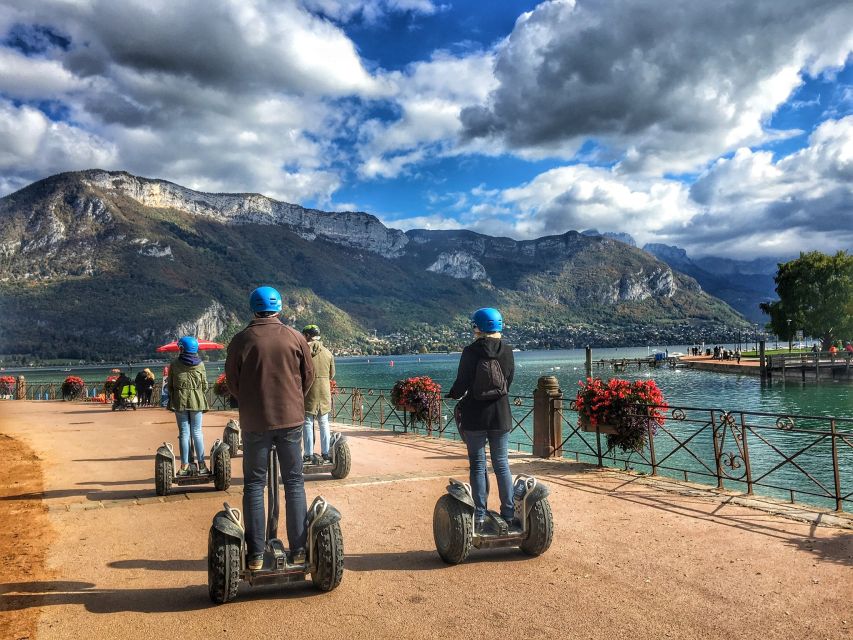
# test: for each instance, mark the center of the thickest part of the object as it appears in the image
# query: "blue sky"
(724, 128)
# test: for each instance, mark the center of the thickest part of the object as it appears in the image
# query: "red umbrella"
(203, 345)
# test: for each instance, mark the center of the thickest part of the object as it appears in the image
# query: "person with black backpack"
(486, 369)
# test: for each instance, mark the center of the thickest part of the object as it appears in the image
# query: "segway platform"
(456, 532)
(227, 552)
(339, 465)
(166, 474)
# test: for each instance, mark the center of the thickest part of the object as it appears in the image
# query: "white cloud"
(369, 10)
(433, 222)
(669, 84)
(429, 96)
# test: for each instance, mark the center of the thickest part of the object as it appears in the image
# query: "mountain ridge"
(170, 254)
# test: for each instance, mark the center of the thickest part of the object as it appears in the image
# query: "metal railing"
(787, 456)
(374, 408)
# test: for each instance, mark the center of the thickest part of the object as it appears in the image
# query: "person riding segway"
(269, 370)
(187, 386)
(318, 403)
(461, 519)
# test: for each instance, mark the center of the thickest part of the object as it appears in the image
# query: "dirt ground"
(98, 555)
(25, 533)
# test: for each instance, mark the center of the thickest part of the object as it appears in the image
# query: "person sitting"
(120, 383)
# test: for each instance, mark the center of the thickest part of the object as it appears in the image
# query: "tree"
(815, 295)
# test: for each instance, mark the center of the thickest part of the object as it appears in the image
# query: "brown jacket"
(269, 371)
(318, 400)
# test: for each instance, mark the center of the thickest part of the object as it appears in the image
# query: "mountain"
(742, 284)
(99, 264)
(627, 238)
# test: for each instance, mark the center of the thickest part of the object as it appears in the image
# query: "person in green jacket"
(188, 399)
(318, 401)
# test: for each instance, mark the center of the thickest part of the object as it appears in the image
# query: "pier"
(93, 553)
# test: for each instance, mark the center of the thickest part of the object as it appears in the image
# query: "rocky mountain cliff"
(106, 264)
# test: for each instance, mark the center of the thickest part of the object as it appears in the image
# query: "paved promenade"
(90, 552)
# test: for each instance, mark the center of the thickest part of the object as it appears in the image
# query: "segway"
(455, 532)
(226, 547)
(340, 462)
(166, 475)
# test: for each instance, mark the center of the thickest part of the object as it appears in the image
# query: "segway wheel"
(222, 469)
(223, 566)
(232, 441)
(329, 548)
(540, 527)
(452, 530)
(163, 475)
(343, 461)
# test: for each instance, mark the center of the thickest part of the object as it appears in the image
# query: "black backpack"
(489, 381)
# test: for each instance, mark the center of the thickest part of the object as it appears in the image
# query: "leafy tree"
(816, 295)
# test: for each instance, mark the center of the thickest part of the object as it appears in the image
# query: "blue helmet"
(488, 320)
(265, 299)
(188, 344)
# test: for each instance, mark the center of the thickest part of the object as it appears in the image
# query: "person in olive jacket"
(318, 402)
(187, 386)
(484, 412)
(269, 371)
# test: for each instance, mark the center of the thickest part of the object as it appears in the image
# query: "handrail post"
(652, 455)
(381, 409)
(717, 453)
(836, 473)
(746, 461)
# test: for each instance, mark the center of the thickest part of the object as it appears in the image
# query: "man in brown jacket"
(269, 371)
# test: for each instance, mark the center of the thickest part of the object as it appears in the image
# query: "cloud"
(236, 96)
(31, 145)
(369, 10)
(669, 84)
(429, 96)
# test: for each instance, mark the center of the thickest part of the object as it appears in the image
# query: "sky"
(725, 128)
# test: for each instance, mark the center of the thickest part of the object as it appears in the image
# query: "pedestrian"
(188, 399)
(848, 348)
(164, 390)
(138, 382)
(147, 387)
(483, 380)
(318, 402)
(269, 370)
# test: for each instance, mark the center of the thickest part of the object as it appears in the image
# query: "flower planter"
(604, 428)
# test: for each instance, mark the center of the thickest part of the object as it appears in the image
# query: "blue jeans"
(308, 434)
(256, 451)
(476, 443)
(190, 420)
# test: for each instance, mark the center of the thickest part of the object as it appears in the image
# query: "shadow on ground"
(16, 596)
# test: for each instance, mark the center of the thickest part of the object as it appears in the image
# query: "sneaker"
(203, 470)
(306, 458)
(184, 472)
(327, 457)
(255, 562)
(297, 557)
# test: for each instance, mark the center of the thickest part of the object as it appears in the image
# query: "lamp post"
(790, 337)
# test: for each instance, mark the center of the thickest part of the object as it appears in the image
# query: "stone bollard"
(547, 418)
(21, 388)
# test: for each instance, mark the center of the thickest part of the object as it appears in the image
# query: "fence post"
(21, 388)
(762, 360)
(839, 505)
(746, 459)
(652, 455)
(588, 361)
(547, 416)
(717, 452)
(381, 409)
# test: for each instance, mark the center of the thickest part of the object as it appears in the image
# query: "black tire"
(343, 461)
(329, 549)
(540, 527)
(163, 475)
(223, 566)
(222, 469)
(452, 529)
(231, 439)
